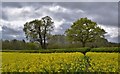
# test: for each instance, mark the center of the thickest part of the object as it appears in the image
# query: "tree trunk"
(41, 39)
(83, 44)
(44, 44)
(44, 37)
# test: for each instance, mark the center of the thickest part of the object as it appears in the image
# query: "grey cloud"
(0, 34)
(8, 33)
(5, 17)
(11, 4)
(102, 12)
(24, 14)
(23, 4)
(0, 10)
(60, 0)
(106, 12)
(119, 21)
(69, 17)
(7, 30)
(114, 39)
(62, 28)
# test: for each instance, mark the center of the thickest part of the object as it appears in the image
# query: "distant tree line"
(55, 42)
(18, 45)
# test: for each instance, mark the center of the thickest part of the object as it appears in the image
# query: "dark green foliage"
(58, 41)
(84, 30)
(61, 41)
(50, 50)
(58, 45)
(83, 50)
(106, 49)
(39, 30)
(18, 45)
(110, 44)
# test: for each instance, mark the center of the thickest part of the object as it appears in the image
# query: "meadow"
(59, 62)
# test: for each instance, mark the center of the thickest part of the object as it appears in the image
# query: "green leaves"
(84, 30)
(38, 30)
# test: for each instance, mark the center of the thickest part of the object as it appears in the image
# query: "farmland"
(59, 62)
(105, 62)
(64, 37)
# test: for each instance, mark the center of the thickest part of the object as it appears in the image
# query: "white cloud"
(12, 24)
(59, 0)
(0, 28)
(18, 16)
(14, 36)
(14, 13)
(58, 23)
(80, 11)
(57, 9)
(112, 32)
(0, 25)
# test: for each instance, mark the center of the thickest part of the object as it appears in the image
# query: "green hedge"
(50, 50)
(83, 50)
(107, 49)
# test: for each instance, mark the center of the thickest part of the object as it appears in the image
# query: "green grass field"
(59, 62)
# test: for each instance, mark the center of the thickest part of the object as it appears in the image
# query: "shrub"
(82, 50)
(105, 49)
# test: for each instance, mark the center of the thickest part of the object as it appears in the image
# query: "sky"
(16, 14)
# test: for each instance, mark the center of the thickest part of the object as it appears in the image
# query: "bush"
(50, 50)
(19, 45)
(82, 50)
(106, 49)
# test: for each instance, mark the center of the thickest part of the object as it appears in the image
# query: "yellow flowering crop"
(103, 62)
(39, 62)
(59, 62)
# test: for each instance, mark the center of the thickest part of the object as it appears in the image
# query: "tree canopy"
(39, 30)
(84, 30)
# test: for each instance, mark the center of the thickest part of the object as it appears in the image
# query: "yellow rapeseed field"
(105, 62)
(59, 62)
(38, 62)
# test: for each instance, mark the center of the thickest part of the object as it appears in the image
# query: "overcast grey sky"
(15, 14)
(59, 0)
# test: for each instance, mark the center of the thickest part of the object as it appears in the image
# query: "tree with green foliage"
(39, 30)
(84, 30)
